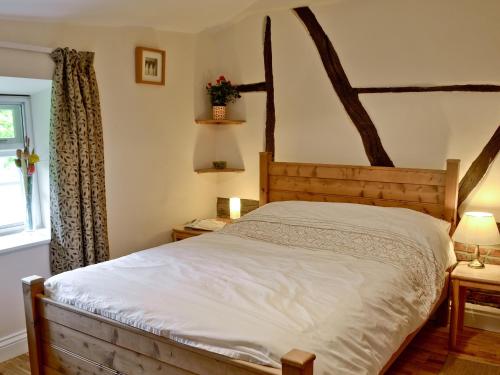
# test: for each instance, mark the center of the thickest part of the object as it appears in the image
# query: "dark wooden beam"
(268, 71)
(466, 88)
(252, 87)
(346, 93)
(479, 167)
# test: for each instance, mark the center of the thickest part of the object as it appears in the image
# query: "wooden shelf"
(219, 122)
(214, 170)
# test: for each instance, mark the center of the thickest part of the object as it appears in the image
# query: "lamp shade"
(477, 228)
(234, 208)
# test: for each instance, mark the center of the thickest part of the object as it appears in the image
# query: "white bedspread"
(254, 299)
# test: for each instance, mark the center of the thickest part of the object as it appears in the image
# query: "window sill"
(22, 240)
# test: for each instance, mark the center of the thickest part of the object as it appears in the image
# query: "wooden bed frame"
(65, 340)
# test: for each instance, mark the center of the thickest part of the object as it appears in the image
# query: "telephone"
(206, 224)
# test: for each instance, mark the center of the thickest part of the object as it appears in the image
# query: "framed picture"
(149, 66)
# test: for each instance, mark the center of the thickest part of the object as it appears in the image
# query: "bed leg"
(297, 362)
(32, 286)
(443, 313)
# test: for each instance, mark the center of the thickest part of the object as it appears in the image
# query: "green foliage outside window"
(7, 123)
(9, 162)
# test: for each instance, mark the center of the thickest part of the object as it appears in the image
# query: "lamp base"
(476, 263)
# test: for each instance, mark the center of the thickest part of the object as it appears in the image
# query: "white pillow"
(431, 232)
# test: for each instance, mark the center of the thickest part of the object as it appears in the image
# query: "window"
(14, 125)
(11, 125)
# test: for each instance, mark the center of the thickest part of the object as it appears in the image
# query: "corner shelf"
(219, 122)
(214, 170)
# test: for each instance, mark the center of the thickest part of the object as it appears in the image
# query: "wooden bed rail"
(64, 340)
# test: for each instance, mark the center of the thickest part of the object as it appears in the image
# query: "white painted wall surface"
(149, 134)
(382, 43)
(150, 142)
(33, 260)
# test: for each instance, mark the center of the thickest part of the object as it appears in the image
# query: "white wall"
(149, 135)
(13, 267)
(150, 142)
(382, 43)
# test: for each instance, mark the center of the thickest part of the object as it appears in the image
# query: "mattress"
(344, 281)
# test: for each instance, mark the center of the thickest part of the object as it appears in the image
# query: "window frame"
(18, 140)
(7, 148)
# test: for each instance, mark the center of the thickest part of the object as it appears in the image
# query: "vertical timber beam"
(268, 70)
(347, 94)
(32, 286)
(264, 161)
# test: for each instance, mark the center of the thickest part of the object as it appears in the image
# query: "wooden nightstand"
(464, 277)
(180, 232)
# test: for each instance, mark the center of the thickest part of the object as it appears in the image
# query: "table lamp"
(477, 228)
(234, 208)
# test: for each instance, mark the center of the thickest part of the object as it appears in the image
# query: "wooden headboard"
(427, 190)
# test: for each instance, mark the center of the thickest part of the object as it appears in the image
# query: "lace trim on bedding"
(417, 262)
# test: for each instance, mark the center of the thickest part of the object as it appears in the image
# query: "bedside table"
(180, 232)
(464, 277)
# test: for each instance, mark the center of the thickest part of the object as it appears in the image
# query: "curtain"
(77, 188)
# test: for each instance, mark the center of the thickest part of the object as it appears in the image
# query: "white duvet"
(265, 285)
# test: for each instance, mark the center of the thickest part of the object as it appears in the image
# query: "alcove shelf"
(215, 170)
(219, 122)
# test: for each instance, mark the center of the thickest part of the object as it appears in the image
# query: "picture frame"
(149, 66)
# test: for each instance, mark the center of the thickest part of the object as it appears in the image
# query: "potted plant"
(221, 93)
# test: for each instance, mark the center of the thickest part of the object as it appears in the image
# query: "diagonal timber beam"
(347, 94)
(479, 167)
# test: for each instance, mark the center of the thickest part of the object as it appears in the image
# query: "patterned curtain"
(77, 190)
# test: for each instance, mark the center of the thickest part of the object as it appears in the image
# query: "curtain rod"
(25, 47)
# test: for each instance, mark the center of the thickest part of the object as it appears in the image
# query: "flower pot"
(219, 112)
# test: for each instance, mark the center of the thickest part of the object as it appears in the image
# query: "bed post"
(451, 192)
(32, 286)
(265, 159)
(297, 362)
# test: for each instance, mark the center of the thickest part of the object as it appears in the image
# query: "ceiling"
(176, 15)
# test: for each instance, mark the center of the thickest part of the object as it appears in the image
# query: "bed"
(226, 294)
